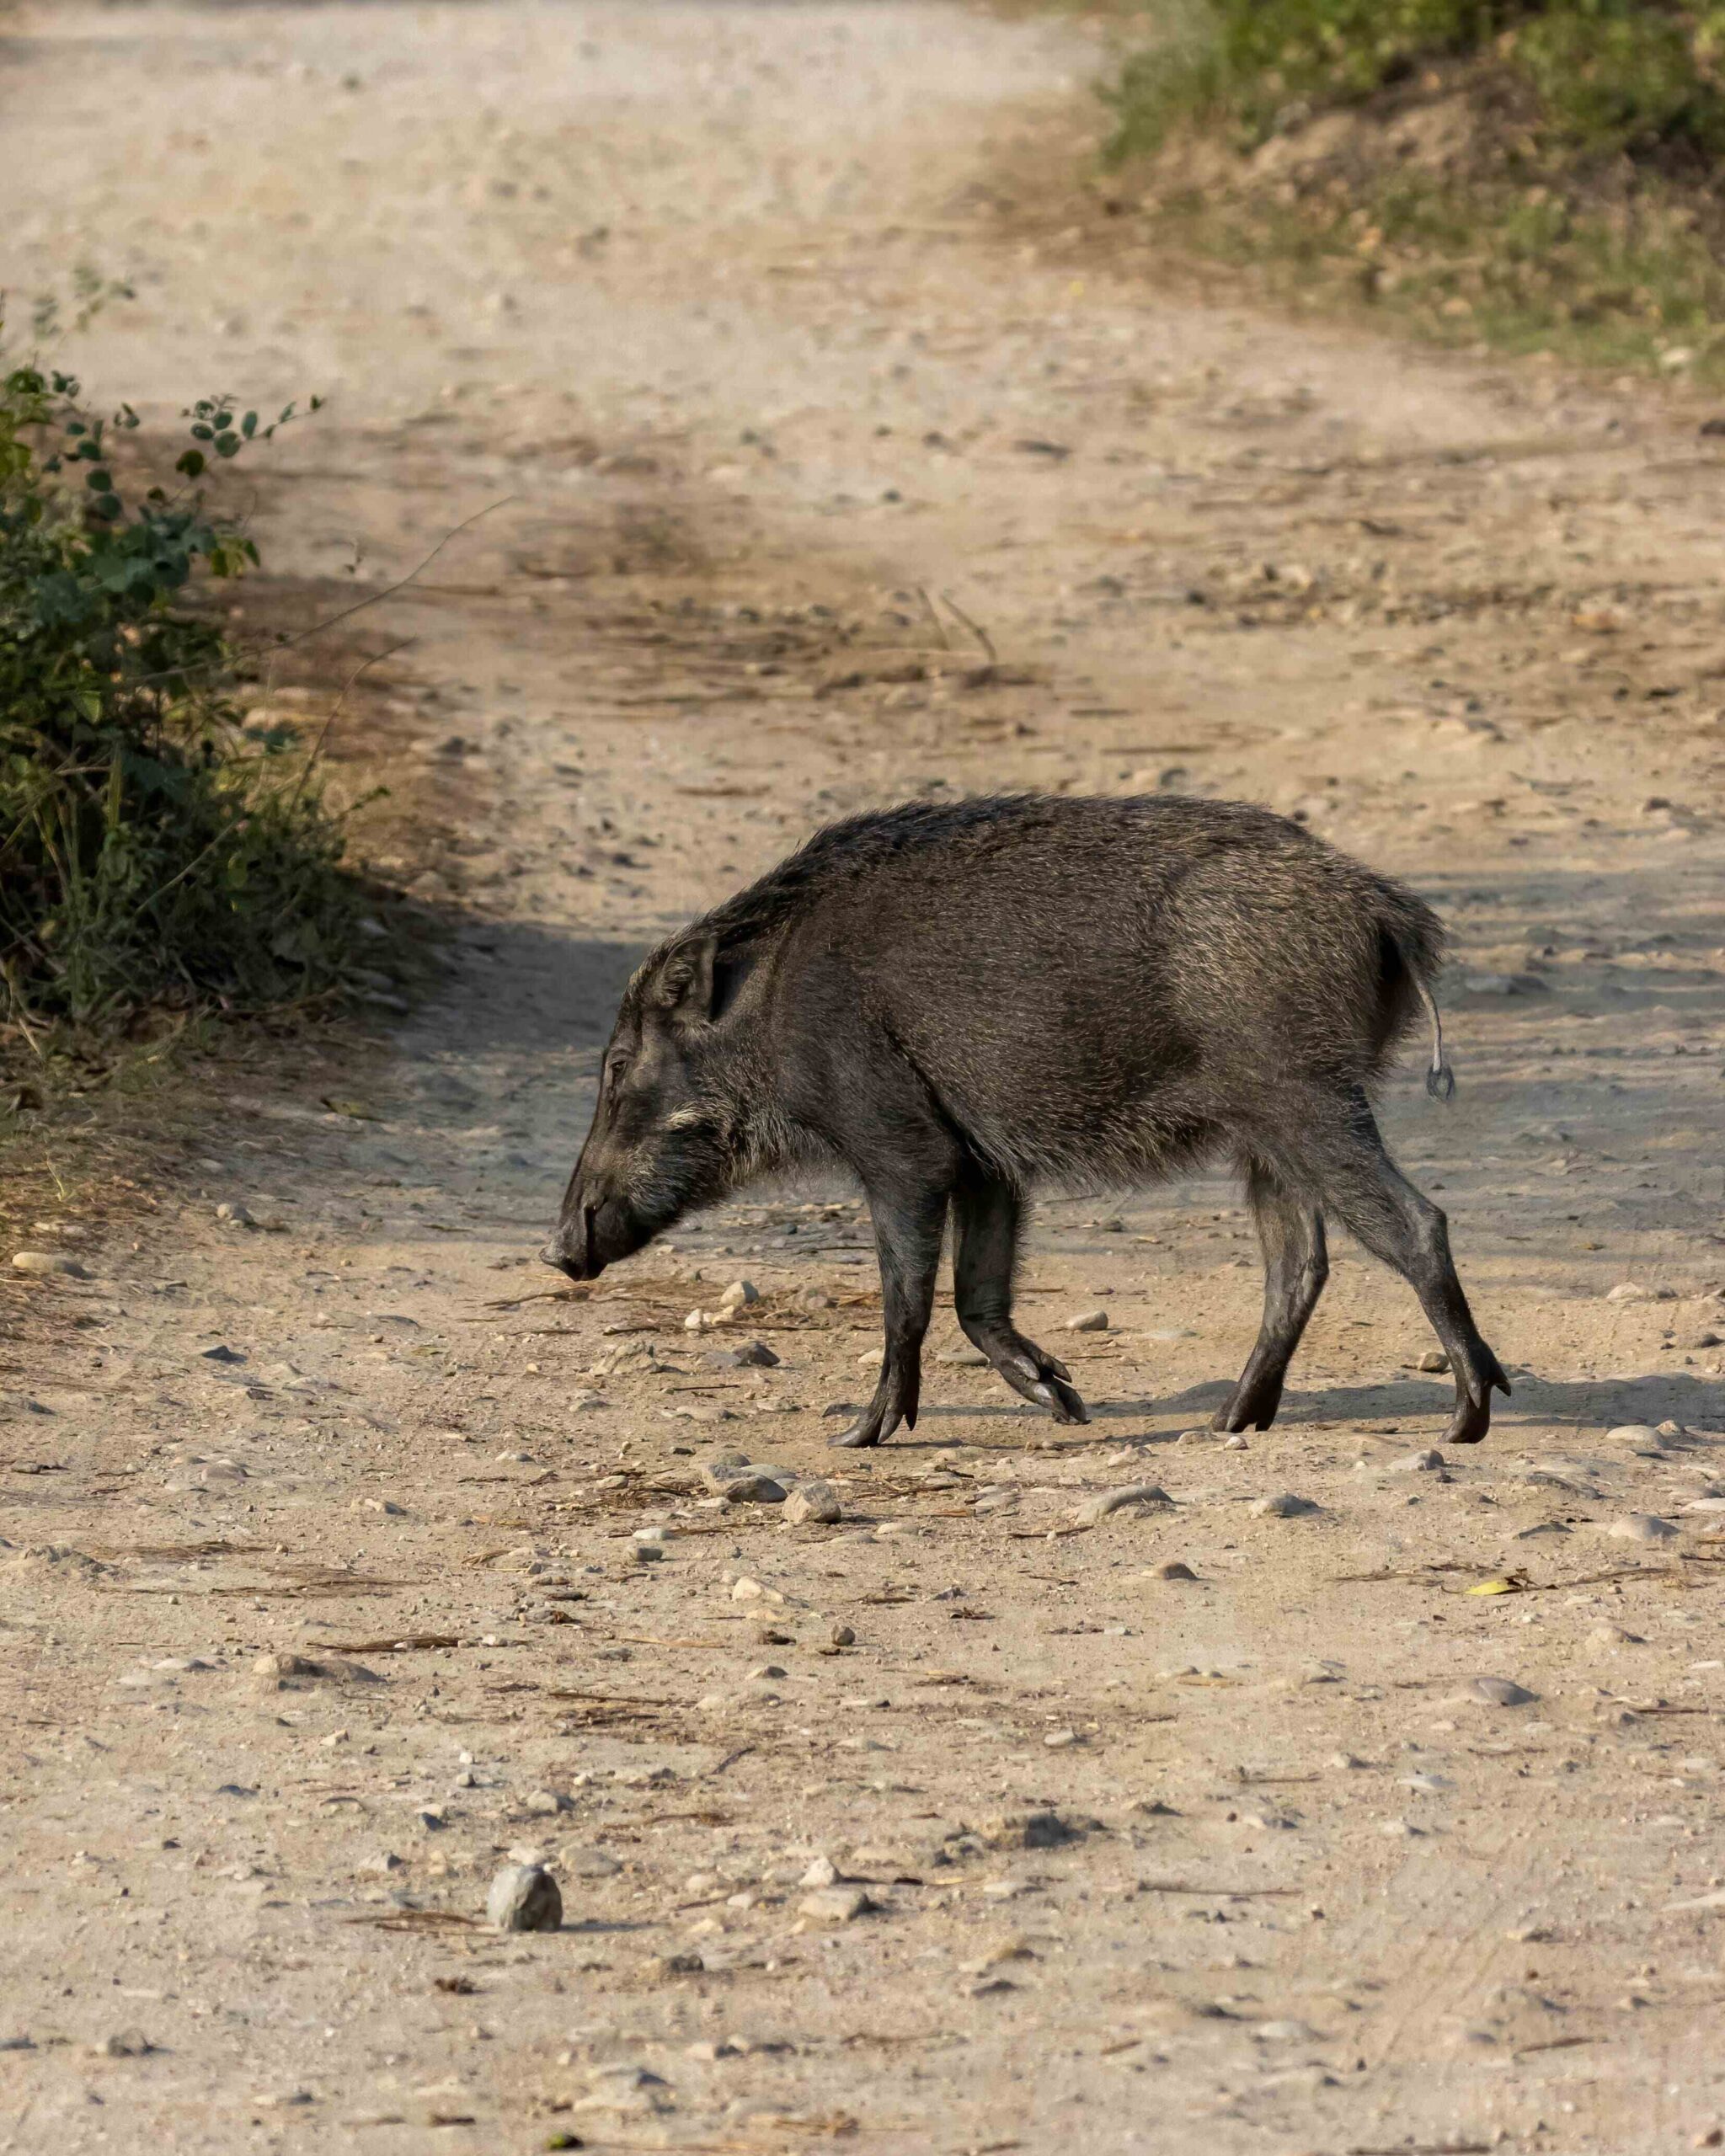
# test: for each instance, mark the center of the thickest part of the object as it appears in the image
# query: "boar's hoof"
(1055, 1395)
(1472, 1419)
(1473, 1403)
(862, 1433)
(1255, 1410)
(1037, 1378)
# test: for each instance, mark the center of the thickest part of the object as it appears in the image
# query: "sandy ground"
(754, 331)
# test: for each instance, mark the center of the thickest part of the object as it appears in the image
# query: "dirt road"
(822, 463)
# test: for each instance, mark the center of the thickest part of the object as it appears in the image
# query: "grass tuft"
(1530, 176)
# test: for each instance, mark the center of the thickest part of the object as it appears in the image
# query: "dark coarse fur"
(960, 1001)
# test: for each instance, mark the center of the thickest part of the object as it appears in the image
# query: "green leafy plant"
(1605, 77)
(154, 848)
(1568, 197)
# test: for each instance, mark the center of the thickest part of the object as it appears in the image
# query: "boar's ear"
(684, 987)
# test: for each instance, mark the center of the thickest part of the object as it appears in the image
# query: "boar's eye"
(616, 1066)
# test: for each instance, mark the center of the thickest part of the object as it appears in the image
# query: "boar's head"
(666, 1134)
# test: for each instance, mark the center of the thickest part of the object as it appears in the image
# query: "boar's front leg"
(989, 1215)
(908, 1228)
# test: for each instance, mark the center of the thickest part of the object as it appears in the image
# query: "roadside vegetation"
(1527, 176)
(161, 858)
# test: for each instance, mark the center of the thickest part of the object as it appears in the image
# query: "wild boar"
(959, 1000)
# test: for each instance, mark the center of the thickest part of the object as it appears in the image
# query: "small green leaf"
(191, 462)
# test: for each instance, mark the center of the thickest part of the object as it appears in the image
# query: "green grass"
(1602, 78)
(1517, 271)
(1586, 214)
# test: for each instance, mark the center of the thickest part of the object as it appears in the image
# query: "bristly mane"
(851, 847)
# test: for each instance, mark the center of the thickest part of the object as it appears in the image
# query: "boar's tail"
(1413, 942)
(1439, 1079)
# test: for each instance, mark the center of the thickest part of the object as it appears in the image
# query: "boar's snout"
(590, 1237)
(573, 1248)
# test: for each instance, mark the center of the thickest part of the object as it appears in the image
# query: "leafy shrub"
(1625, 79)
(153, 848)
(1604, 76)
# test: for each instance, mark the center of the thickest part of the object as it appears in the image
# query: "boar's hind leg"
(1365, 1189)
(1295, 1265)
(985, 1251)
(908, 1228)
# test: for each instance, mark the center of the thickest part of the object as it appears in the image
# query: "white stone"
(525, 1897)
(45, 1262)
(1284, 1506)
(1642, 1527)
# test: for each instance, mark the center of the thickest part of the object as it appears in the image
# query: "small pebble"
(843, 1636)
(1633, 1433)
(1499, 1692)
(288, 1665)
(1175, 1570)
(523, 1897)
(1105, 1501)
(836, 1904)
(1285, 1505)
(747, 1487)
(740, 1296)
(1633, 1291)
(43, 1262)
(750, 1355)
(1433, 1359)
(236, 1215)
(1642, 1527)
(1088, 1321)
(1430, 1462)
(126, 2043)
(1031, 1830)
(823, 1872)
(816, 1502)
